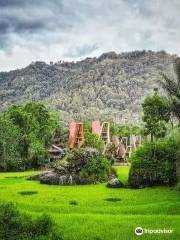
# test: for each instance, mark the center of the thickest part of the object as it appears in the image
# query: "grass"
(123, 173)
(95, 212)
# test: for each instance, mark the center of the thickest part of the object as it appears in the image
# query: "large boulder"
(52, 177)
(55, 178)
(114, 183)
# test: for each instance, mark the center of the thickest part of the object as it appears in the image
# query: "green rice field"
(95, 212)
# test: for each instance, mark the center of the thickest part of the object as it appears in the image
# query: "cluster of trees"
(25, 132)
(160, 110)
(111, 85)
(158, 161)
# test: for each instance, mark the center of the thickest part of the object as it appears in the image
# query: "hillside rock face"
(111, 86)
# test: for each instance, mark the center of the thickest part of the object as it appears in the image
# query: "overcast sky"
(52, 30)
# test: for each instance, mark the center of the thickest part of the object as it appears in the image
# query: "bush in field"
(174, 137)
(85, 165)
(97, 169)
(77, 158)
(154, 163)
(17, 226)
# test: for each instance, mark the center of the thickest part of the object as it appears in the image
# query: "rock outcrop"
(114, 183)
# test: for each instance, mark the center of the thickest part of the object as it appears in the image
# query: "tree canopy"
(25, 132)
(156, 113)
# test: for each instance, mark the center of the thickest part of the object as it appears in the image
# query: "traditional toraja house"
(96, 128)
(76, 134)
(118, 150)
(122, 148)
(56, 148)
(55, 152)
(102, 130)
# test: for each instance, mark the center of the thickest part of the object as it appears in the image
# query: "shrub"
(154, 163)
(124, 130)
(78, 158)
(85, 165)
(17, 226)
(97, 169)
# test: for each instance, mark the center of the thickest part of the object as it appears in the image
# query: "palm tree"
(172, 87)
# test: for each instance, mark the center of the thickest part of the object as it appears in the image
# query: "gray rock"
(114, 183)
(55, 178)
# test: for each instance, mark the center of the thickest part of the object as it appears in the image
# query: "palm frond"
(172, 87)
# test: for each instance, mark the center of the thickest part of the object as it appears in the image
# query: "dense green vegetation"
(24, 134)
(94, 141)
(93, 211)
(85, 165)
(17, 226)
(158, 162)
(154, 163)
(86, 212)
(124, 130)
(97, 169)
(108, 87)
(156, 115)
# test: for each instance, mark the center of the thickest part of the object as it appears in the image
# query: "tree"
(172, 87)
(35, 126)
(156, 113)
(9, 146)
(124, 130)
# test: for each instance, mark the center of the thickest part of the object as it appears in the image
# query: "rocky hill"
(111, 86)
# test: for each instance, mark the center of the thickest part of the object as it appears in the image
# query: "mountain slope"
(111, 86)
